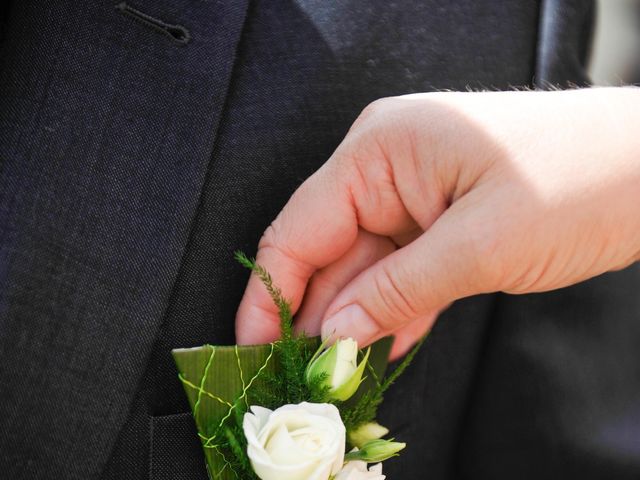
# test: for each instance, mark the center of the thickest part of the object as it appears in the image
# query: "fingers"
(315, 228)
(355, 188)
(318, 225)
(411, 283)
(327, 282)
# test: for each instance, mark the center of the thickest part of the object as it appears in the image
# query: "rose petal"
(295, 442)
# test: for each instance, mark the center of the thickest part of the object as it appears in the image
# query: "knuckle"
(374, 108)
(487, 247)
(268, 239)
(280, 250)
(395, 303)
(374, 112)
(271, 244)
(277, 237)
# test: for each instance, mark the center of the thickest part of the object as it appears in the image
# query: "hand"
(435, 197)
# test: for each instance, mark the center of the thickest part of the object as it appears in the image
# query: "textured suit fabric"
(107, 131)
(558, 389)
(303, 74)
(133, 166)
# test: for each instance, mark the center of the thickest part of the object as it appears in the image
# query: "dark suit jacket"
(133, 162)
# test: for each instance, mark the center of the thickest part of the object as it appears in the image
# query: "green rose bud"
(339, 366)
(376, 451)
(365, 433)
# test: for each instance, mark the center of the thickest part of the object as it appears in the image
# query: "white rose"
(357, 470)
(295, 442)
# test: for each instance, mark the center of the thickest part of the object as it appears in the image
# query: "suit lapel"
(111, 125)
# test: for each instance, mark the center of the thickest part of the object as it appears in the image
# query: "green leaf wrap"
(215, 377)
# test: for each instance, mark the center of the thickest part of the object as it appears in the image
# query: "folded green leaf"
(219, 382)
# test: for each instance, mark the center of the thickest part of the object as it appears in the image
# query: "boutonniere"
(297, 409)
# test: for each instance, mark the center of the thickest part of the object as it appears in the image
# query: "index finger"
(315, 228)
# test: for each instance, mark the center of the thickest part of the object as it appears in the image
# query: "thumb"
(413, 282)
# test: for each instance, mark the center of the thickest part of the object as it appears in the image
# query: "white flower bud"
(365, 433)
(376, 451)
(339, 365)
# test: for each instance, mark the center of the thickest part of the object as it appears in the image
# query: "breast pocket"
(176, 452)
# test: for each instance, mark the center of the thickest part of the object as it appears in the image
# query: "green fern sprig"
(283, 305)
(290, 385)
(399, 370)
(237, 445)
(292, 350)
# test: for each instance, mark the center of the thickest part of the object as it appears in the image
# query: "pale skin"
(434, 197)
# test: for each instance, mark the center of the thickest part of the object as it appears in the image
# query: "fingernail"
(352, 321)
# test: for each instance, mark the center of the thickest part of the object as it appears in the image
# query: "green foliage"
(289, 386)
(221, 389)
(318, 390)
(218, 381)
(236, 444)
(293, 352)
